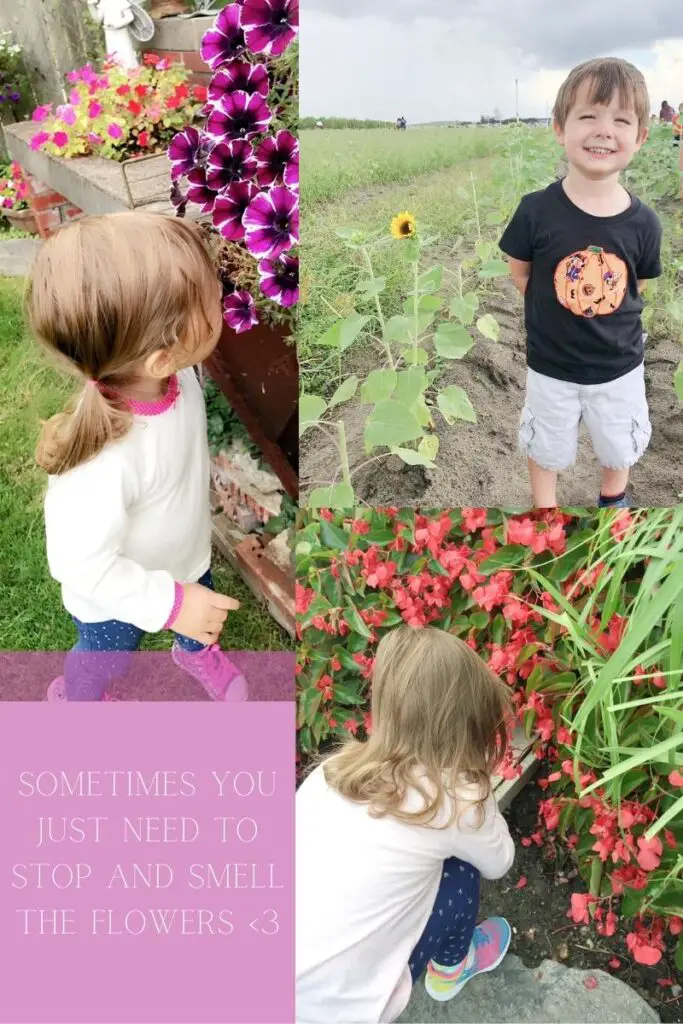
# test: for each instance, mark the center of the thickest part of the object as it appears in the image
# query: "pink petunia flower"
(114, 131)
(60, 139)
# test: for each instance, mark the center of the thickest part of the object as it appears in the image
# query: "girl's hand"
(203, 613)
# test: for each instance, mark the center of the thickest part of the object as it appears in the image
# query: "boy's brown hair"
(606, 75)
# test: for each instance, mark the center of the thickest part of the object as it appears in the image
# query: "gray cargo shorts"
(615, 414)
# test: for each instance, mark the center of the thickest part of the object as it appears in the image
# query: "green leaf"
(397, 328)
(378, 386)
(410, 249)
(415, 358)
(452, 341)
(480, 620)
(425, 304)
(472, 299)
(679, 953)
(346, 390)
(347, 232)
(461, 310)
(431, 280)
(678, 382)
(311, 409)
(494, 218)
(455, 405)
(410, 385)
(343, 334)
(354, 620)
(391, 423)
(429, 447)
(334, 496)
(412, 458)
(494, 268)
(489, 327)
(332, 536)
(371, 286)
(511, 554)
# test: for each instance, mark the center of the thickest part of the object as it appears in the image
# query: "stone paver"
(17, 255)
(549, 994)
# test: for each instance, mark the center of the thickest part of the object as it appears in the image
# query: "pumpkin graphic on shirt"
(591, 282)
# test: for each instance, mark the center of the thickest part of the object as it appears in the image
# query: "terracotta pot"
(167, 8)
(23, 219)
(258, 373)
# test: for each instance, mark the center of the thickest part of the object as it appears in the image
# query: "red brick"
(199, 78)
(47, 222)
(194, 62)
(69, 212)
(47, 201)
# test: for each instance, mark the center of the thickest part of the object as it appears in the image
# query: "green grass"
(335, 162)
(32, 614)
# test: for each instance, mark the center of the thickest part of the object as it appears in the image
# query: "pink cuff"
(177, 605)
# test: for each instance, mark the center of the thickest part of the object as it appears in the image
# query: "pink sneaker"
(487, 950)
(56, 691)
(221, 679)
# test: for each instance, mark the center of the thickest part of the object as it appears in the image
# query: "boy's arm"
(520, 271)
(642, 285)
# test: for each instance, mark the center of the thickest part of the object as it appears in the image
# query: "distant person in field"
(401, 123)
(677, 125)
(406, 823)
(581, 252)
(667, 112)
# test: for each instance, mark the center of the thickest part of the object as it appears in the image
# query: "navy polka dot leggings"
(103, 651)
(448, 934)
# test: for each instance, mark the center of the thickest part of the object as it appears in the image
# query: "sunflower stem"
(343, 453)
(416, 303)
(378, 304)
(476, 205)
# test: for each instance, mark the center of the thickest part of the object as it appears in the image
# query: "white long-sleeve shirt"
(124, 527)
(365, 889)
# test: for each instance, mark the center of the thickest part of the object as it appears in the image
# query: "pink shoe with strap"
(219, 676)
(487, 950)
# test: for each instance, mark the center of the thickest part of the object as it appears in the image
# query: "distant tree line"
(342, 122)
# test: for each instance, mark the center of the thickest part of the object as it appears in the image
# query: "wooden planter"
(258, 373)
(24, 220)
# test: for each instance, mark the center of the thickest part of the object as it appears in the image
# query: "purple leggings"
(103, 653)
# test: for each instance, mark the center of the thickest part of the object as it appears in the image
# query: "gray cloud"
(528, 27)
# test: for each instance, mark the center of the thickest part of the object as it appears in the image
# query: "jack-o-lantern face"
(591, 282)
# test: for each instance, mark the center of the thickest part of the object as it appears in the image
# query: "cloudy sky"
(434, 60)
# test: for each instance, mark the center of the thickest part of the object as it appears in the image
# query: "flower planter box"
(258, 373)
(91, 183)
(24, 220)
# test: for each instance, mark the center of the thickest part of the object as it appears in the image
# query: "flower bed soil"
(479, 464)
(538, 912)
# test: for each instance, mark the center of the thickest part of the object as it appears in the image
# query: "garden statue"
(121, 20)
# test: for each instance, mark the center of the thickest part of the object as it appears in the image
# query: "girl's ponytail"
(79, 433)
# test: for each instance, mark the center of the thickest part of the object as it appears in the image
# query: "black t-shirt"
(582, 306)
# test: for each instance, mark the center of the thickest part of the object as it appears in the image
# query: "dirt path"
(479, 464)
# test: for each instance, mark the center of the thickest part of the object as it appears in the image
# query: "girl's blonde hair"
(439, 718)
(104, 294)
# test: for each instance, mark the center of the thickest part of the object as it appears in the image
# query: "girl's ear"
(159, 364)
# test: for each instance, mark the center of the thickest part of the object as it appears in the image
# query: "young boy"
(581, 252)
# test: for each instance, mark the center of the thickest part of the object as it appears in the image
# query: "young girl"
(393, 834)
(129, 303)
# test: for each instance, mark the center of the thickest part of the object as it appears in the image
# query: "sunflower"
(403, 225)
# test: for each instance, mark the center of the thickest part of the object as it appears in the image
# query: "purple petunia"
(238, 116)
(277, 159)
(228, 162)
(178, 200)
(230, 207)
(239, 76)
(182, 152)
(272, 223)
(239, 311)
(198, 190)
(270, 25)
(280, 279)
(225, 40)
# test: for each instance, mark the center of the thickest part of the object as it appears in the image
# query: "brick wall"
(50, 209)
(201, 72)
(179, 39)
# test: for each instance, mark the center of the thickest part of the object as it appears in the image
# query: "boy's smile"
(600, 140)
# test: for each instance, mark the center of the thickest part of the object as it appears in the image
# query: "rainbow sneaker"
(488, 948)
(221, 679)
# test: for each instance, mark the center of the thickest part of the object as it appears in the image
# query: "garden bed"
(538, 914)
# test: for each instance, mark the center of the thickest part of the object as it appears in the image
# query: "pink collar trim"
(161, 404)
